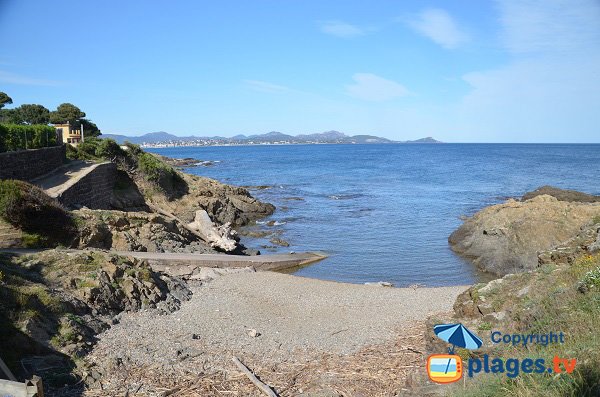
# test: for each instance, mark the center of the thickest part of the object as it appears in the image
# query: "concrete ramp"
(79, 184)
(182, 263)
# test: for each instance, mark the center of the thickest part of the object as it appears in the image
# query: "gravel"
(267, 315)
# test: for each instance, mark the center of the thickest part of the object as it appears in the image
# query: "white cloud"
(13, 78)
(556, 26)
(440, 27)
(371, 87)
(341, 29)
(264, 86)
(550, 90)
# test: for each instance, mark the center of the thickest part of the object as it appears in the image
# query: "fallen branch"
(262, 386)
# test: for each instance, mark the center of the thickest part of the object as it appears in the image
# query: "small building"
(66, 133)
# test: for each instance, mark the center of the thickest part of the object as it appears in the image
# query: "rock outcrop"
(55, 303)
(506, 238)
(562, 195)
(136, 231)
(223, 203)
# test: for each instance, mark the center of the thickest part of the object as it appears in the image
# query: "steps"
(10, 237)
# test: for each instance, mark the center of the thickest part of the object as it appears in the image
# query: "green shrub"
(3, 136)
(32, 210)
(109, 149)
(161, 174)
(18, 137)
(134, 149)
(591, 279)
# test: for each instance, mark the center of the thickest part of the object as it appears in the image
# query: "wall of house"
(29, 164)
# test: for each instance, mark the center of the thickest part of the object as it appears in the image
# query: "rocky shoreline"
(113, 326)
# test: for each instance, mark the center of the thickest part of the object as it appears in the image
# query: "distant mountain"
(120, 139)
(369, 139)
(152, 137)
(274, 137)
(323, 136)
(424, 140)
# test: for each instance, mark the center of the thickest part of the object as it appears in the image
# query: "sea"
(383, 212)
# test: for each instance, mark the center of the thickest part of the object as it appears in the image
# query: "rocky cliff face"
(223, 203)
(506, 238)
(136, 231)
(55, 303)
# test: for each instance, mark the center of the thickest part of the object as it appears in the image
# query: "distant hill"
(424, 140)
(273, 137)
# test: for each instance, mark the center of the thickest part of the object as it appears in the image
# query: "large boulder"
(506, 238)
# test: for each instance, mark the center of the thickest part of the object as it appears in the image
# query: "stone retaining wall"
(94, 189)
(29, 164)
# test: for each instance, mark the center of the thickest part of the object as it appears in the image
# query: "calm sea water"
(384, 212)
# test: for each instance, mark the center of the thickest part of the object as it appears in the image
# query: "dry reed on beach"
(376, 370)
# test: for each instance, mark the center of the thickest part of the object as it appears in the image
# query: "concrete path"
(63, 177)
(182, 262)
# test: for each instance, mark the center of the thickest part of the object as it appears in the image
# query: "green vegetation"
(4, 100)
(26, 126)
(29, 208)
(17, 137)
(150, 168)
(555, 302)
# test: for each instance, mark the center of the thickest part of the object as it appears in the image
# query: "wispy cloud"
(558, 25)
(371, 87)
(13, 78)
(341, 29)
(264, 86)
(439, 26)
(551, 85)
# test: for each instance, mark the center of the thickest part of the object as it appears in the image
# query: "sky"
(460, 70)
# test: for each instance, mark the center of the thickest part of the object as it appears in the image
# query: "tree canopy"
(4, 99)
(66, 112)
(32, 114)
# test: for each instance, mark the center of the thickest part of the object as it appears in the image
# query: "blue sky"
(460, 71)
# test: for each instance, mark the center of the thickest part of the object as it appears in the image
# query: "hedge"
(18, 137)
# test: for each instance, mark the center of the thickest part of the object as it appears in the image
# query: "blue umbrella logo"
(457, 335)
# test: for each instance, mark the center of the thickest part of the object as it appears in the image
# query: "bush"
(32, 210)
(18, 137)
(109, 149)
(161, 174)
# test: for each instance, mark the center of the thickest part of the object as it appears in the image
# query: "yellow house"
(68, 134)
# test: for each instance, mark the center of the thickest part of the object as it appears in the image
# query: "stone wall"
(94, 189)
(29, 164)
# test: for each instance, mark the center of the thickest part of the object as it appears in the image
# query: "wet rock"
(279, 242)
(380, 284)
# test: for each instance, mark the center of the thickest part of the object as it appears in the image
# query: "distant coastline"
(164, 139)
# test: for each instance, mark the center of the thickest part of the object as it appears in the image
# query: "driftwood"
(262, 386)
(31, 388)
